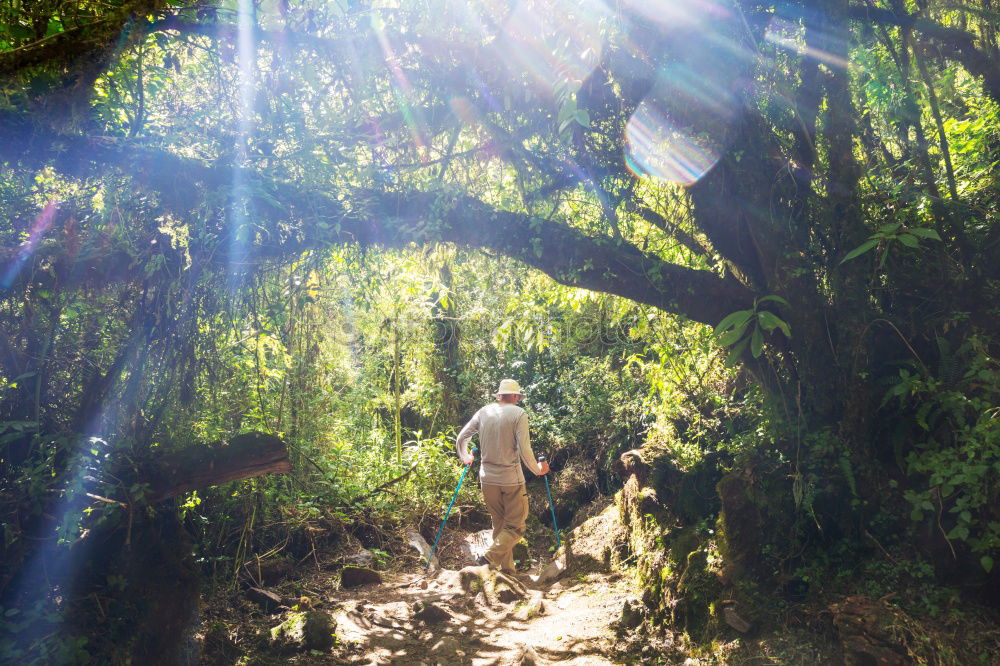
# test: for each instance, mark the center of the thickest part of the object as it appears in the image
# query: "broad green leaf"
(735, 334)
(756, 342)
(909, 240)
(924, 233)
(17, 30)
(737, 353)
(769, 321)
(776, 299)
(733, 320)
(987, 563)
(859, 250)
(886, 228)
(766, 320)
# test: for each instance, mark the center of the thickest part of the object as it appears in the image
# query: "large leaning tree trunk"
(197, 467)
(138, 541)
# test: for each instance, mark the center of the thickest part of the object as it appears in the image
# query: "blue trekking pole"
(448, 512)
(552, 507)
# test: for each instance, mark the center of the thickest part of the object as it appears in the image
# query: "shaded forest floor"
(570, 621)
(567, 609)
(574, 608)
(456, 614)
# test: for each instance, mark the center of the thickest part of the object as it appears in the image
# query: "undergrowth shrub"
(948, 443)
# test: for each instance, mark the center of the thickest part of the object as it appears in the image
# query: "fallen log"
(196, 467)
(266, 599)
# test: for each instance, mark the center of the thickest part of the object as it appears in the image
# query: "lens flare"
(658, 149)
(239, 214)
(403, 89)
(40, 226)
(463, 109)
(676, 133)
(790, 35)
(484, 90)
(51, 570)
(556, 44)
(678, 13)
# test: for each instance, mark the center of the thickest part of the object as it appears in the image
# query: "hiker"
(504, 442)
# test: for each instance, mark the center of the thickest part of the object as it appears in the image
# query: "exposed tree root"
(496, 586)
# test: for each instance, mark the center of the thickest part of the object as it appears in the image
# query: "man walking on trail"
(504, 442)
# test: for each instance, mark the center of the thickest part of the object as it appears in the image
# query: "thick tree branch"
(567, 255)
(672, 230)
(193, 468)
(77, 42)
(391, 219)
(229, 32)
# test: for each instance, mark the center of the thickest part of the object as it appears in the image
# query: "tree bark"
(196, 467)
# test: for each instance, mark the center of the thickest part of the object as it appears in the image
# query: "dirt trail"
(431, 619)
(466, 615)
(564, 613)
(459, 614)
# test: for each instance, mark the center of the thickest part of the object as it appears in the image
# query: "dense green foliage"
(343, 223)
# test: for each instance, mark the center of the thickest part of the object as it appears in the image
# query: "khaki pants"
(508, 507)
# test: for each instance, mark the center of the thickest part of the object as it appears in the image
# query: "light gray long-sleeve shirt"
(503, 442)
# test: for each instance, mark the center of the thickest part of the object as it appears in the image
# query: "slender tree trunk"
(938, 122)
(446, 342)
(396, 415)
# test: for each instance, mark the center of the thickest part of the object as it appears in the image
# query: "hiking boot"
(483, 562)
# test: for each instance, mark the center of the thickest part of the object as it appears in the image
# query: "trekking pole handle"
(541, 458)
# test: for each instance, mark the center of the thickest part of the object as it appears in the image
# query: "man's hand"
(544, 467)
(468, 459)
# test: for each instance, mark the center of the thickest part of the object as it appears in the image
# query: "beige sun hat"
(509, 386)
